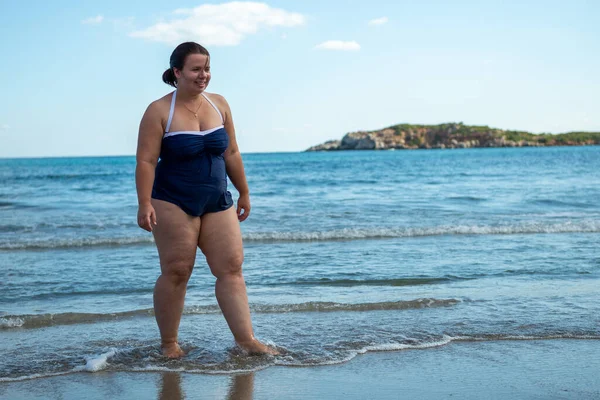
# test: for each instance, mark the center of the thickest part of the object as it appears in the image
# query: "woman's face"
(195, 74)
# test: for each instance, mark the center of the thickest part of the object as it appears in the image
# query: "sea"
(345, 253)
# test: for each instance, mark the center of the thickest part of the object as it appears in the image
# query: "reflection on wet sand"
(171, 387)
(241, 387)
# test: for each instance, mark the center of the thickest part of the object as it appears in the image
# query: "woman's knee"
(227, 265)
(178, 271)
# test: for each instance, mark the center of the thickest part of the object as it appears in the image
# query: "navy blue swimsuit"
(191, 169)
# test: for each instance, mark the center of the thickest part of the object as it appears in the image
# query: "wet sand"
(536, 369)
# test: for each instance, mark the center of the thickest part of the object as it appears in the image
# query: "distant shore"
(451, 136)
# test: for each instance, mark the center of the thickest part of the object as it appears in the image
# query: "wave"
(97, 363)
(428, 280)
(370, 282)
(121, 291)
(384, 233)
(590, 226)
(558, 203)
(466, 198)
(61, 224)
(320, 306)
(74, 243)
(44, 320)
(5, 204)
(147, 359)
(411, 344)
(14, 205)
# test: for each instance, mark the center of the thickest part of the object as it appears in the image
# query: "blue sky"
(78, 75)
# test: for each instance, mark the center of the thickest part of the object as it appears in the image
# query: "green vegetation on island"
(452, 135)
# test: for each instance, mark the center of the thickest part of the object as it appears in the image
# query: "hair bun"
(168, 77)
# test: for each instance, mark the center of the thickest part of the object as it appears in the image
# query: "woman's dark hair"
(178, 59)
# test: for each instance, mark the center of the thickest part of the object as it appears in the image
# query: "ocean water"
(345, 253)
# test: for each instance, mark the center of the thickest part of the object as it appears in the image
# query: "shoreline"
(325, 148)
(533, 369)
(454, 136)
(253, 153)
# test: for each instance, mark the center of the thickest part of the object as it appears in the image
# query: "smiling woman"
(186, 150)
(177, 61)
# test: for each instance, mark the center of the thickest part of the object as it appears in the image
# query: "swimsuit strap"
(171, 111)
(215, 107)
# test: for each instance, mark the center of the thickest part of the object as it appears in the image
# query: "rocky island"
(451, 136)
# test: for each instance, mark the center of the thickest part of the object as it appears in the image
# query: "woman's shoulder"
(157, 111)
(159, 106)
(164, 101)
(217, 99)
(220, 102)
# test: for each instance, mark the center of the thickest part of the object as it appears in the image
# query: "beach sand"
(527, 369)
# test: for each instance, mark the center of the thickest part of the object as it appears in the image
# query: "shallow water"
(345, 252)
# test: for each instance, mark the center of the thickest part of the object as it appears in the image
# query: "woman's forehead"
(197, 60)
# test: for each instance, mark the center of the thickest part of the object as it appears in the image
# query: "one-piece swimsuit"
(191, 169)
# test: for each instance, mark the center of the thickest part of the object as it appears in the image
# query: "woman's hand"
(243, 204)
(146, 217)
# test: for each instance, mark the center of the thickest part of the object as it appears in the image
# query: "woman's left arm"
(233, 162)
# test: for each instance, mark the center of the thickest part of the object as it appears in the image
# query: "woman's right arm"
(148, 150)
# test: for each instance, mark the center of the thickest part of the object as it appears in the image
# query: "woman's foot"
(172, 350)
(255, 347)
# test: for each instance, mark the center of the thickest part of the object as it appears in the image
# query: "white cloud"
(93, 20)
(338, 45)
(378, 21)
(219, 25)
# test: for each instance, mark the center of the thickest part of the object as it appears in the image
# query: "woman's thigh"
(221, 241)
(176, 236)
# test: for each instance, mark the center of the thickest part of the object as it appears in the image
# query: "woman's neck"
(187, 95)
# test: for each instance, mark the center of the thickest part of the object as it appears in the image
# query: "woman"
(183, 198)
